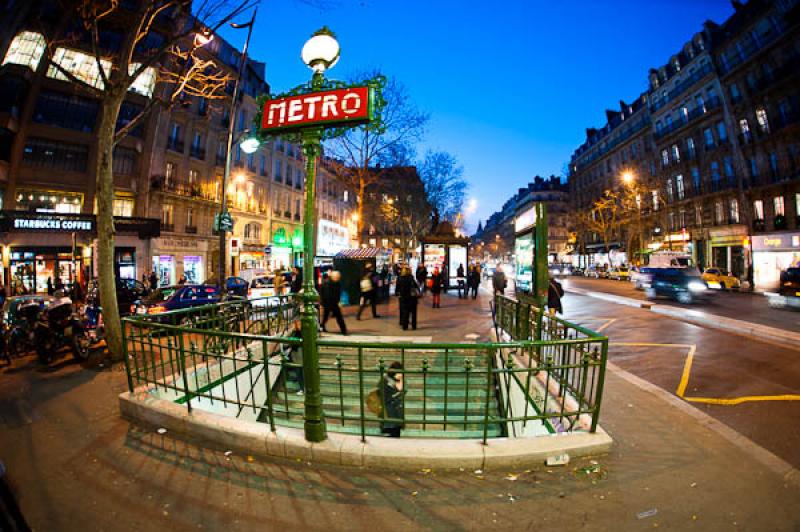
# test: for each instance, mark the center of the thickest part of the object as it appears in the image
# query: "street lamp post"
(221, 225)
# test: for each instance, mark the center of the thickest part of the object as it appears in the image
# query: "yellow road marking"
(687, 370)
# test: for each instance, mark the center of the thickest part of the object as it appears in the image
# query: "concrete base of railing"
(343, 449)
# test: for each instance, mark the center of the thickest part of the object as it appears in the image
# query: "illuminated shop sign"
(54, 224)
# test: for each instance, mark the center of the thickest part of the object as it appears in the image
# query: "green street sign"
(224, 223)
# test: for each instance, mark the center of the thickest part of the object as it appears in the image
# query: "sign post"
(307, 113)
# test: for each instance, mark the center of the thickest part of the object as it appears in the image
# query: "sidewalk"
(77, 465)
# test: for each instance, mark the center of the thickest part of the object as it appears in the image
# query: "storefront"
(772, 254)
(173, 258)
(728, 250)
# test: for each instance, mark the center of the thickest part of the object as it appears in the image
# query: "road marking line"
(606, 324)
(686, 373)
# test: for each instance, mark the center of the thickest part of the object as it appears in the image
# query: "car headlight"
(694, 286)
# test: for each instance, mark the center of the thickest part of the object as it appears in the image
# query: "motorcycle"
(58, 326)
(20, 336)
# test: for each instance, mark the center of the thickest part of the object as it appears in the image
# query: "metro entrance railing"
(544, 375)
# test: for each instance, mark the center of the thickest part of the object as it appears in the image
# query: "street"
(77, 464)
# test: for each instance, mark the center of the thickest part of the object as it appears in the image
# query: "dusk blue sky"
(510, 86)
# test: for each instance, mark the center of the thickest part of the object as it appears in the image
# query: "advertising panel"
(434, 257)
(523, 249)
(458, 257)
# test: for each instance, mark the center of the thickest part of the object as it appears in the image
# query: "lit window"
(144, 82)
(26, 49)
(777, 202)
(679, 186)
(80, 65)
(722, 132)
(669, 190)
(719, 212)
(167, 214)
(123, 206)
(734, 211)
(655, 200)
(763, 121)
(47, 201)
(698, 215)
(709, 136)
(676, 153)
(758, 208)
(664, 157)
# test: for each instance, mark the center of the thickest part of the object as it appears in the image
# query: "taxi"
(716, 278)
(619, 273)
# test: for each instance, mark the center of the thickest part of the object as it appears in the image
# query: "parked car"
(598, 271)
(716, 278)
(168, 298)
(681, 284)
(619, 273)
(788, 295)
(576, 270)
(126, 297)
(137, 287)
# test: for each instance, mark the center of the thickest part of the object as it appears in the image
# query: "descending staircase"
(433, 408)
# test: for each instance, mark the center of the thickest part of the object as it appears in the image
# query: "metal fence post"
(600, 382)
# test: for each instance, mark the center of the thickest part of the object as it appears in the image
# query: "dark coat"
(554, 293)
(499, 281)
(392, 402)
(437, 281)
(473, 278)
(404, 288)
(330, 293)
(421, 274)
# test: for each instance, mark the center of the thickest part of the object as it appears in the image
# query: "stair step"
(410, 431)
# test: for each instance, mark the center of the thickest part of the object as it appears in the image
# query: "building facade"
(713, 152)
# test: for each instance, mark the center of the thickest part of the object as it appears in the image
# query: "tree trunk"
(360, 209)
(105, 225)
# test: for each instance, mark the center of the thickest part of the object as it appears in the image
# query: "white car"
(261, 291)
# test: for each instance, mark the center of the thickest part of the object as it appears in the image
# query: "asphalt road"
(725, 367)
(737, 305)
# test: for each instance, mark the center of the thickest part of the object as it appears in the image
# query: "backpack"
(374, 403)
(366, 284)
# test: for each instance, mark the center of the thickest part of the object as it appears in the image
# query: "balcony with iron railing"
(190, 229)
(168, 228)
(204, 191)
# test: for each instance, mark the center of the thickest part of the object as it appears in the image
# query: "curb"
(404, 454)
(743, 328)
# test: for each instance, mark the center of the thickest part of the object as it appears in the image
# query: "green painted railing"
(237, 359)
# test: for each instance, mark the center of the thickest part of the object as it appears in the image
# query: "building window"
(698, 215)
(124, 161)
(262, 165)
(758, 210)
(43, 153)
(676, 153)
(696, 179)
(49, 201)
(167, 215)
(123, 206)
(708, 135)
(719, 212)
(777, 203)
(278, 171)
(655, 200)
(690, 149)
(753, 167)
(773, 163)
(671, 221)
(127, 113)
(734, 211)
(194, 177)
(715, 177)
(682, 218)
(669, 190)
(67, 111)
(763, 121)
(145, 82)
(745, 129)
(700, 103)
(169, 172)
(82, 66)
(190, 218)
(728, 166)
(664, 158)
(679, 186)
(26, 49)
(735, 94)
(722, 133)
(252, 230)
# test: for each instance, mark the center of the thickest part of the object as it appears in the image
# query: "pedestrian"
(76, 293)
(59, 285)
(182, 281)
(461, 281)
(392, 390)
(473, 281)
(296, 358)
(385, 282)
(368, 293)
(422, 277)
(297, 281)
(408, 292)
(436, 288)
(50, 288)
(331, 293)
(153, 280)
(554, 294)
(279, 283)
(499, 281)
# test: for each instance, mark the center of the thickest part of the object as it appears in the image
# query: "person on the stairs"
(392, 391)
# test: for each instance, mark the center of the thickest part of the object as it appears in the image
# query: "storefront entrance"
(31, 268)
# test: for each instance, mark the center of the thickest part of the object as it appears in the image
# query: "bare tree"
(444, 184)
(410, 214)
(603, 217)
(357, 152)
(157, 35)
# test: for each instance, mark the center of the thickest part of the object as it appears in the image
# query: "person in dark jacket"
(554, 294)
(473, 281)
(461, 281)
(499, 281)
(422, 277)
(436, 288)
(153, 280)
(297, 281)
(331, 293)
(408, 292)
(392, 391)
(385, 281)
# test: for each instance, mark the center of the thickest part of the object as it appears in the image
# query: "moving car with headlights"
(716, 278)
(788, 295)
(168, 298)
(598, 271)
(619, 273)
(684, 285)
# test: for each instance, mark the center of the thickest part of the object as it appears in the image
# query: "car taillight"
(156, 310)
(249, 292)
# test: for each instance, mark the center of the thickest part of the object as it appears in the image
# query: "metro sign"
(332, 108)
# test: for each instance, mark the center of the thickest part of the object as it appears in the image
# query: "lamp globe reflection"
(321, 51)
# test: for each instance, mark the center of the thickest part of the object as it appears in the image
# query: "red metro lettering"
(329, 107)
